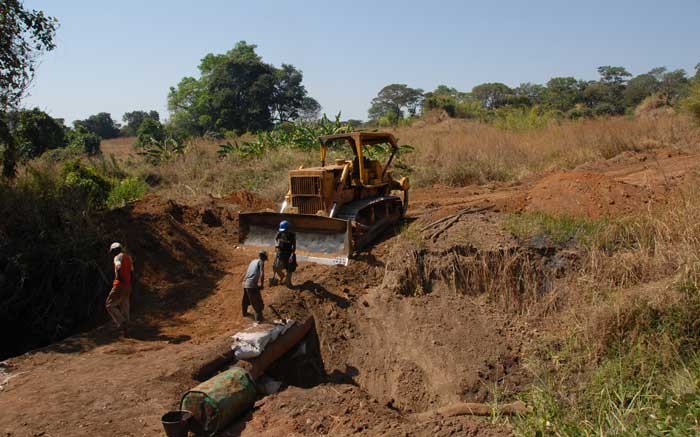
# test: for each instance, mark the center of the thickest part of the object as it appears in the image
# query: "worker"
(117, 303)
(285, 256)
(252, 284)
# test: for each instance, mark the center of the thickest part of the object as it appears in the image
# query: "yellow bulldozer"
(338, 208)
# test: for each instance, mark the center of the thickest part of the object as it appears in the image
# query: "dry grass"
(650, 246)
(453, 152)
(200, 172)
(619, 351)
(461, 152)
(120, 148)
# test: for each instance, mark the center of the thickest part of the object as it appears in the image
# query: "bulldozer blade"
(322, 240)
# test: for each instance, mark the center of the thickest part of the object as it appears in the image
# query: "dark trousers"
(251, 296)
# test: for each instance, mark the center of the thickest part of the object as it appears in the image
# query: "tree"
(535, 93)
(491, 95)
(691, 103)
(134, 119)
(613, 75)
(310, 109)
(606, 95)
(392, 100)
(8, 151)
(150, 131)
(35, 131)
(82, 140)
(288, 93)
(236, 91)
(639, 88)
(442, 97)
(24, 35)
(100, 124)
(673, 85)
(697, 71)
(241, 94)
(563, 93)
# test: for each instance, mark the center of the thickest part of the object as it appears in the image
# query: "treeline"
(616, 92)
(237, 92)
(33, 132)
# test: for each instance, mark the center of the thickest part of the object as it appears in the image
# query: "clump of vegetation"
(35, 132)
(50, 280)
(692, 102)
(301, 135)
(645, 382)
(85, 183)
(628, 363)
(157, 152)
(524, 118)
(150, 131)
(125, 191)
(82, 141)
(560, 230)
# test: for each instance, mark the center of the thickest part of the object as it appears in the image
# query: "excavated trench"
(432, 326)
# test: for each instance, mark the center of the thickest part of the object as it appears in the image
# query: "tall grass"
(453, 152)
(460, 152)
(628, 362)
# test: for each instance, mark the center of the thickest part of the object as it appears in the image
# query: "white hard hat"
(115, 246)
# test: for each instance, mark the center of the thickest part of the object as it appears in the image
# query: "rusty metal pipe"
(283, 344)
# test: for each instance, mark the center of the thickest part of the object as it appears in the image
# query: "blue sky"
(121, 56)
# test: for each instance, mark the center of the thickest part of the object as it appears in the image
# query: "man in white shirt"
(252, 284)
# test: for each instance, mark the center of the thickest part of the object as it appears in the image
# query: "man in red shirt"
(117, 303)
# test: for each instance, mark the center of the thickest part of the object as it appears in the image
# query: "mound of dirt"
(585, 194)
(342, 409)
(248, 201)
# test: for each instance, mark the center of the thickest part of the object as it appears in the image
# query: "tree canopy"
(24, 35)
(35, 131)
(132, 121)
(615, 92)
(491, 95)
(100, 124)
(236, 91)
(394, 99)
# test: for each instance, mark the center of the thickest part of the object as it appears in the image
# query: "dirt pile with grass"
(586, 194)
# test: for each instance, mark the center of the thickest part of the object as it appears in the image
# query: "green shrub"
(157, 152)
(470, 109)
(560, 229)
(523, 118)
(149, 132)
(85, 183)
(691, 103)
(35, 131)
(647, 383)
(299, 135)
(50, 280)
(82, 140)
(126, 190)
(576, 113)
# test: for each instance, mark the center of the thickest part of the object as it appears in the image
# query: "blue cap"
(284, 225)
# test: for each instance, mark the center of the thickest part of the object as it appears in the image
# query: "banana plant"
(155, 151)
